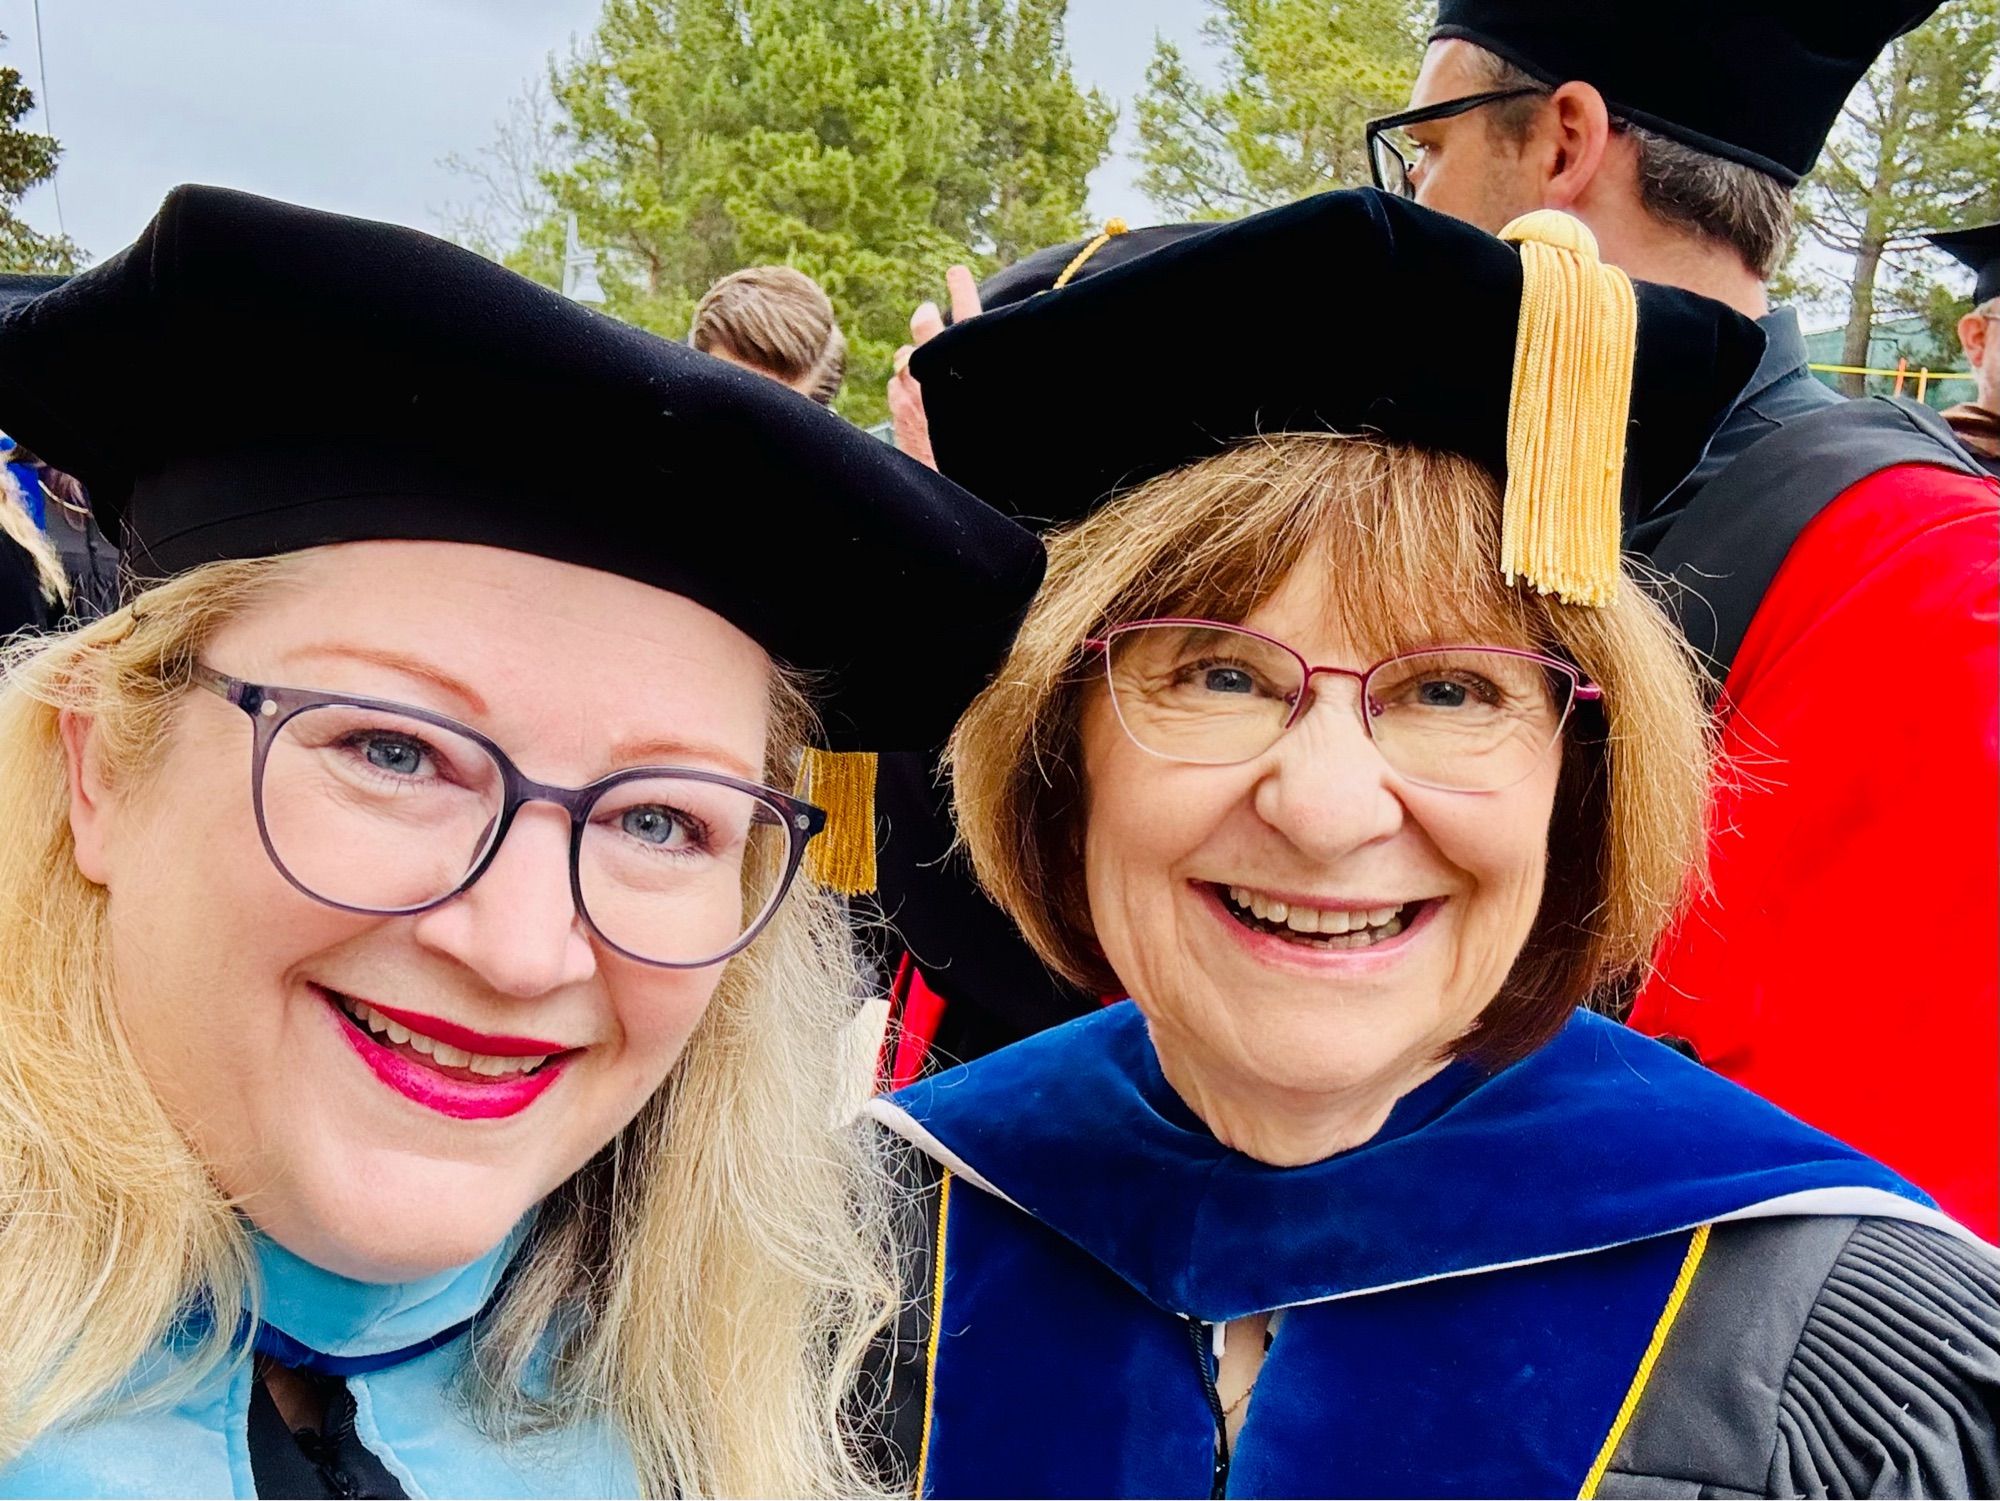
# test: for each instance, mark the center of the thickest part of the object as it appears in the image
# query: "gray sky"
(351, 104)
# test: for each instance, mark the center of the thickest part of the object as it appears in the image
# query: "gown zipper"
(1202, 1337)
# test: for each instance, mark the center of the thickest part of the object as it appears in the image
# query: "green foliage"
(1298, 81)
(870, 143)
(25, 160)
(1917, 148)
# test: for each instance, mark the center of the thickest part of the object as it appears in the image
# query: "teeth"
(441, 1053)
(1338, 928)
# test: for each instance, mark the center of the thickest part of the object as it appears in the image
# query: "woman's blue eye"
(1228, 680)
(651, 825)
(404, 758)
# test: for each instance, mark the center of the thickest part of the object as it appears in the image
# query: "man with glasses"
(1977, 422)
(1837, 562)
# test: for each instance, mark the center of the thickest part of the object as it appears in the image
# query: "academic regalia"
(1603, 1270)
(1820, 543)
(1977, 426)
(253, 378)
(395, 1350)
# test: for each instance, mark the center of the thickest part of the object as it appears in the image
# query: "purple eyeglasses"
(380, 807)
(1455, 718)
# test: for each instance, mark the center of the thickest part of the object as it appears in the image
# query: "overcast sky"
(351, 104)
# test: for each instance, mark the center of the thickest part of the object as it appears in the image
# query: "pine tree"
(870, 143)
(26, 159)
(1917, 148)
(1299, 81)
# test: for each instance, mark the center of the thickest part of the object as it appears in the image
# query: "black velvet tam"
(251, 378)
(1756, 81)
(1978, 249)
(1351, 312)
(1038, 272)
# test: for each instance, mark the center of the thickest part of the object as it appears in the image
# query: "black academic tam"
(1753, 81)
(252, 377)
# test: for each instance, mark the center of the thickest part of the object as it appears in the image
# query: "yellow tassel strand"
(842, 858)
(1566, 416)
(1112, 229)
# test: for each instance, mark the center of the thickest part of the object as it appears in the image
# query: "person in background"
(1977, 422)
(1833, 560)
(776, 321)
(34, 590)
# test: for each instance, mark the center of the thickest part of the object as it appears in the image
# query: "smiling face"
(356, 1081)
(1413, 902)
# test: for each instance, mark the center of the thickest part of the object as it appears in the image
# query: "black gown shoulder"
(1824, 1357)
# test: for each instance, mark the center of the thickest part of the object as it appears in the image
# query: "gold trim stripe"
(1697, 1244)
(937, 1325)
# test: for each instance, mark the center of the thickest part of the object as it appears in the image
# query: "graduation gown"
(1603, 1270)
(1843, 961)
(1858, 658)
(392, 1354)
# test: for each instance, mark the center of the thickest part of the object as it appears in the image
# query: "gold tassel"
(1112, 229)
(1572, 394)
(842, 857)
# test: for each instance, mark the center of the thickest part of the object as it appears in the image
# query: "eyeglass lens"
(1392, 169)
(1466, 719)
(372, 810)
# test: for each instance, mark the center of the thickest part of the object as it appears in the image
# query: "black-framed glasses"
(383, 808)
(1386, 162)
(1454, 718)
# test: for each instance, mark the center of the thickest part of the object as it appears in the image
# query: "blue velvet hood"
(1601, 1138)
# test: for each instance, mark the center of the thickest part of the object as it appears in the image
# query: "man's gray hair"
(1748, 210)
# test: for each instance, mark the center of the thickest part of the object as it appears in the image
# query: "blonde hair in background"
(712, 1281)
(20, 526)
(1412, 538)
(777, 319)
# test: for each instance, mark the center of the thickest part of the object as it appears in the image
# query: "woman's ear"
(90, 802)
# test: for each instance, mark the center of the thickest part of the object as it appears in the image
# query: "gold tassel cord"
(842, 857)
(1112, 229)
(1567, 412)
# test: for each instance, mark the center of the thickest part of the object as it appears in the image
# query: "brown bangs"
(1408, 534)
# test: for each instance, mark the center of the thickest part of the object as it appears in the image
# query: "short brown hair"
(777, 319)
(1679, 185)
(1413, 535)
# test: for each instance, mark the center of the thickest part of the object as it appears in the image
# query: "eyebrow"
(467, 696)
(647, 752)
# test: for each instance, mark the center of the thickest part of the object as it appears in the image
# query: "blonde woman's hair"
(777, 319)
(711, 1281)
(1410, 538)
(17, 524)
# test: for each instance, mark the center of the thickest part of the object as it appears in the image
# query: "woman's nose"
(1328, 789)
(518, 927)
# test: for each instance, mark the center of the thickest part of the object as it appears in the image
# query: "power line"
(42, 69)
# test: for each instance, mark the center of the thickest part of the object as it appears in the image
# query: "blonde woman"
(420, 1071)
(1336, 742)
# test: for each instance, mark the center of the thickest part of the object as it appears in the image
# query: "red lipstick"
(461, 1099)
(491, 1044)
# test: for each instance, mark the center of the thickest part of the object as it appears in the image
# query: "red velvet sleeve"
(1846, 964)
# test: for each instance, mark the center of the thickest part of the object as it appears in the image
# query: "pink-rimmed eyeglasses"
(1454, 718)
